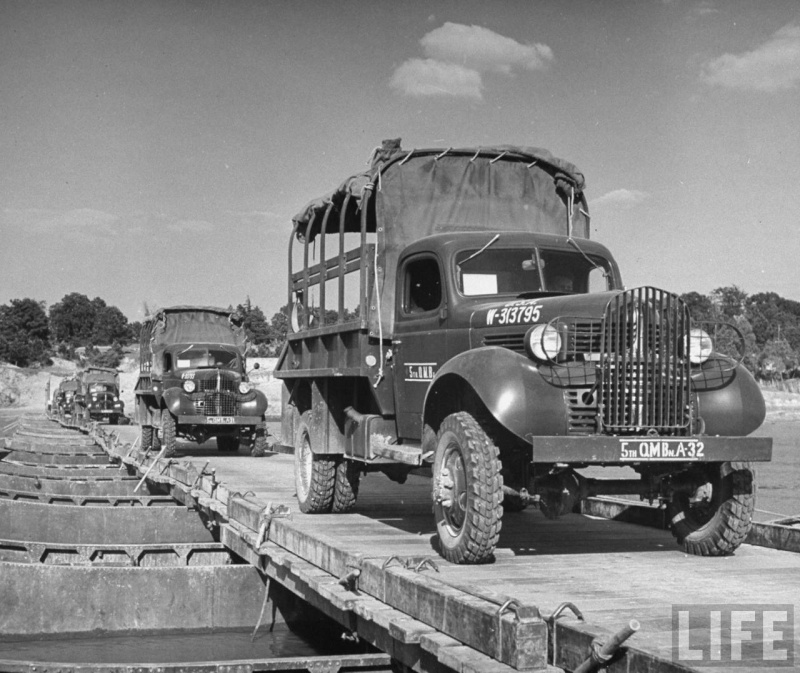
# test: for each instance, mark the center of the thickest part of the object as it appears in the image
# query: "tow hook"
(443, 485)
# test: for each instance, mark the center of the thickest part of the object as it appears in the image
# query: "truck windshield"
(198, 357)
(519, 271)
(101, 388)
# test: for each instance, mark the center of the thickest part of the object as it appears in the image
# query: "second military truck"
(493, 344)
(97, 397)
(193, 383)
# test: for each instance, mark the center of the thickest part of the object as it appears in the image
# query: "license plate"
(661, 448)
(220, 420)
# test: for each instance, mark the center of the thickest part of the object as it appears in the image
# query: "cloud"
(619, 199)
(774, 66)
(458, 55)
(190, 227)
(482, 49)
(705, 8)
(428, 77)
(78, 222)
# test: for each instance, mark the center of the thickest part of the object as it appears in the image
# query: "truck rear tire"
(467, 491)
(315, 475)
(168, 432)
(345, 489)
(716, 519)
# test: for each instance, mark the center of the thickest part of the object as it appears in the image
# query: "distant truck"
(98, 396)
(495, 347)
(65, 401)
(193, 384)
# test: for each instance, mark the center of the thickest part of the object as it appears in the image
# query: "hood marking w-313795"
(514, 313)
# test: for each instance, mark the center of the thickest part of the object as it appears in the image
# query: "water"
(179, 647)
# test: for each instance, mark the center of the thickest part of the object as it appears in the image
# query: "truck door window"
(423, 286)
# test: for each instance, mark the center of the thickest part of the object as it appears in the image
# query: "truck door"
(420, 342)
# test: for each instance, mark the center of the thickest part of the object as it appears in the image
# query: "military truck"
(97, 396)
(192, 382)
(494, 346)
(65, 395)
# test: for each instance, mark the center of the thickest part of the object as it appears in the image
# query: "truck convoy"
(97, 396)
(494, 346)
(192, 382)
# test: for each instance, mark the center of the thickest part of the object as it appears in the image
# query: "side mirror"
(256, 366)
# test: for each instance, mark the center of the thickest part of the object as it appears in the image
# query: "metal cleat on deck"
(415, 563)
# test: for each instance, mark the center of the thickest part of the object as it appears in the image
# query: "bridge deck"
(448, 615)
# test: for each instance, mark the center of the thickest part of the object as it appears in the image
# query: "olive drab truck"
(193, 382)
(65, 401)
(98, 396)
(494, 345)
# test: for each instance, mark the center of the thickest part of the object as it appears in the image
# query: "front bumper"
(605, 450)
(218, 421)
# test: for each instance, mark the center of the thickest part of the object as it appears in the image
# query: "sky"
(154, 152)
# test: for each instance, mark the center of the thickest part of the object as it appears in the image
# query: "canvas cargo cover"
(418, 193)
(68, 384)
(196, 325)
(97, 375)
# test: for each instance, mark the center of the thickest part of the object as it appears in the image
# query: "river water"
(179, 647)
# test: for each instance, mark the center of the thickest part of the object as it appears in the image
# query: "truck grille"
(644, 367)
(210, 385)
(215, 404)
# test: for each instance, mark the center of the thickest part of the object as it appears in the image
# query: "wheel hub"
(451, 489)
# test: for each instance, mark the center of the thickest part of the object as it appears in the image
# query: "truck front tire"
(147, 435)
(467, 491)
(716, 519)
(315, 475)
(168, 433)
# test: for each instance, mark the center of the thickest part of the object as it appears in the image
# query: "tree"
(701, 308)
(24, 332)
(255, 323)
(110, 326)
(72, 319)
(134, 331)
(730, 301)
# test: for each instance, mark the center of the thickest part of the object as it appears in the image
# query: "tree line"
(77, 326)
(30, 334)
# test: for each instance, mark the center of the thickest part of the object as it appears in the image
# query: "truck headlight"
(189, 386)
(543, 342)
(245, 387)
(700, 346)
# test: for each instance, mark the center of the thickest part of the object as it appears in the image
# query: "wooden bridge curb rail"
(421, 621)
(505, 641)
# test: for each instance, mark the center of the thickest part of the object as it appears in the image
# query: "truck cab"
(193, 382)
(495, 347)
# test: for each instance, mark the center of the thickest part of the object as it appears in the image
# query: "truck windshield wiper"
(475, 254)
(602, 270)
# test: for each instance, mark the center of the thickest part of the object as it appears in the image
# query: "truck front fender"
(256, 406)
(736, 408)
(508, 385)
(178, 402)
